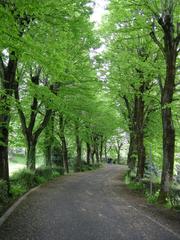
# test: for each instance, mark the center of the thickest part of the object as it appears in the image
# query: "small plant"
(136, 186)
(152, 198)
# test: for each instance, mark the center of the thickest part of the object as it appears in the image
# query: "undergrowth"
(173, 200)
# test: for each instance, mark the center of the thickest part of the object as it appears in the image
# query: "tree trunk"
(140, 135)
(78, 151)
(101, 150)
(63, 141)
(8, 78)
(92, 155)
(4, 133)
(97, 153)
(105, 152)
(132, 153)
(48, 141)
(88, 153)
(31, 155)
(168, 129)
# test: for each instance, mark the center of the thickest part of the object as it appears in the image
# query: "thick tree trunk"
(78, 151)
(63, 142)
(7, 83)
(97, 154)
(168, 130)
(4, 133)
(140, 136)
(132, 153)
(105, 152)
(48, 141)
(65, 154)
(31, 155)
(101, 150)
(88, 153)
(92, 155)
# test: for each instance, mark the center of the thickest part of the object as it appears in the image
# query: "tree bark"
(140, 135)
(132, 116)
(168, 128)
(31, 155)
(132, 153)
(8, 78)
(78, 150)
(88, 153)
(64, 144)
(101, 149)
(48, 141)
(119, 145)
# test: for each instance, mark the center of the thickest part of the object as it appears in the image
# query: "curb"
(5, 216)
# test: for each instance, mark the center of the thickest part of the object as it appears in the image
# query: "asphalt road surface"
(84, 206)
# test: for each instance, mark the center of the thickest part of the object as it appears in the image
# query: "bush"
(174, 196)
(25, 178)
(136, 186)
(59, 170)
(17, 190)
(45, 172)
(3, 191)
(152, 198)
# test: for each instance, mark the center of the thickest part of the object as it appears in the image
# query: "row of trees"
(140, 64)
(50, 94)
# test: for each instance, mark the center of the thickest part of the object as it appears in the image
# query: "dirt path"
(88, 206)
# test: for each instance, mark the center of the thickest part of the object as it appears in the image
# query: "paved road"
(82, 207)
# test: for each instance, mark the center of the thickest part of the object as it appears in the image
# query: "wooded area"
(62, 98)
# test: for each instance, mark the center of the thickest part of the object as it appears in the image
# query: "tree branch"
(20, 112)
(158, 43)
(43, 124)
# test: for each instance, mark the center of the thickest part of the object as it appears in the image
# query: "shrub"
(152, 198)
(174, 196)
(136, 186)
(17, 190)
(59, 170)
(24, 178)
(45, 172)
(3, 191)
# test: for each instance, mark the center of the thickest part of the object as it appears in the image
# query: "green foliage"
(174, 196)
(24, 179)
(138, 186)
(45, 172)
(18, 190)
(3, 191)
(152, 198)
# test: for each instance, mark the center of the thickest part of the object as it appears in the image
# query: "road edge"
(10, 210)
